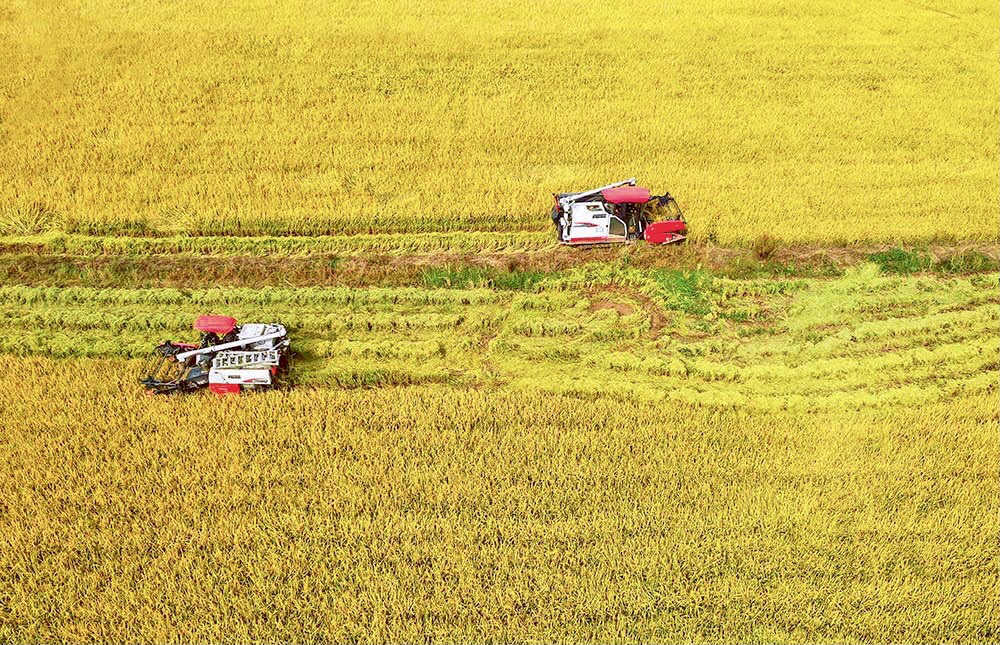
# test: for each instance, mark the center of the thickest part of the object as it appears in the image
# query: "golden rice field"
(442, 514)
(812, 121)
(786, 430)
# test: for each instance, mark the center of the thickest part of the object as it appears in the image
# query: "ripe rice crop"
(822, 121)
(345, 245)
(433, 513)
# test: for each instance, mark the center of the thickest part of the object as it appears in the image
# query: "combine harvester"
(616, 213)
(230, 358)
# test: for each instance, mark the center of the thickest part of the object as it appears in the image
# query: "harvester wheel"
(555, 222)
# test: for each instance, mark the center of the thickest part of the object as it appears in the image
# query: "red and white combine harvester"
(230, 358)
(617, 213)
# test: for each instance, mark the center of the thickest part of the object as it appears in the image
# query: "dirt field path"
(25, 264)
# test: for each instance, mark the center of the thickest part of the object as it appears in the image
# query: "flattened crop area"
(863, 339)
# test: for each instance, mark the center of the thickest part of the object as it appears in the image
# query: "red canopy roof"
(626, 195)
(215, 324)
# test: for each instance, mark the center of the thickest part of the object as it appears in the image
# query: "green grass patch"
(685, 291)
(467, 277)
(901, 261)
(905, 262)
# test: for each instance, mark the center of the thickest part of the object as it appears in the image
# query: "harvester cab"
(617, 213)
(229, 358)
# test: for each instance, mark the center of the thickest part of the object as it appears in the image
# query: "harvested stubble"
(862, 340)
